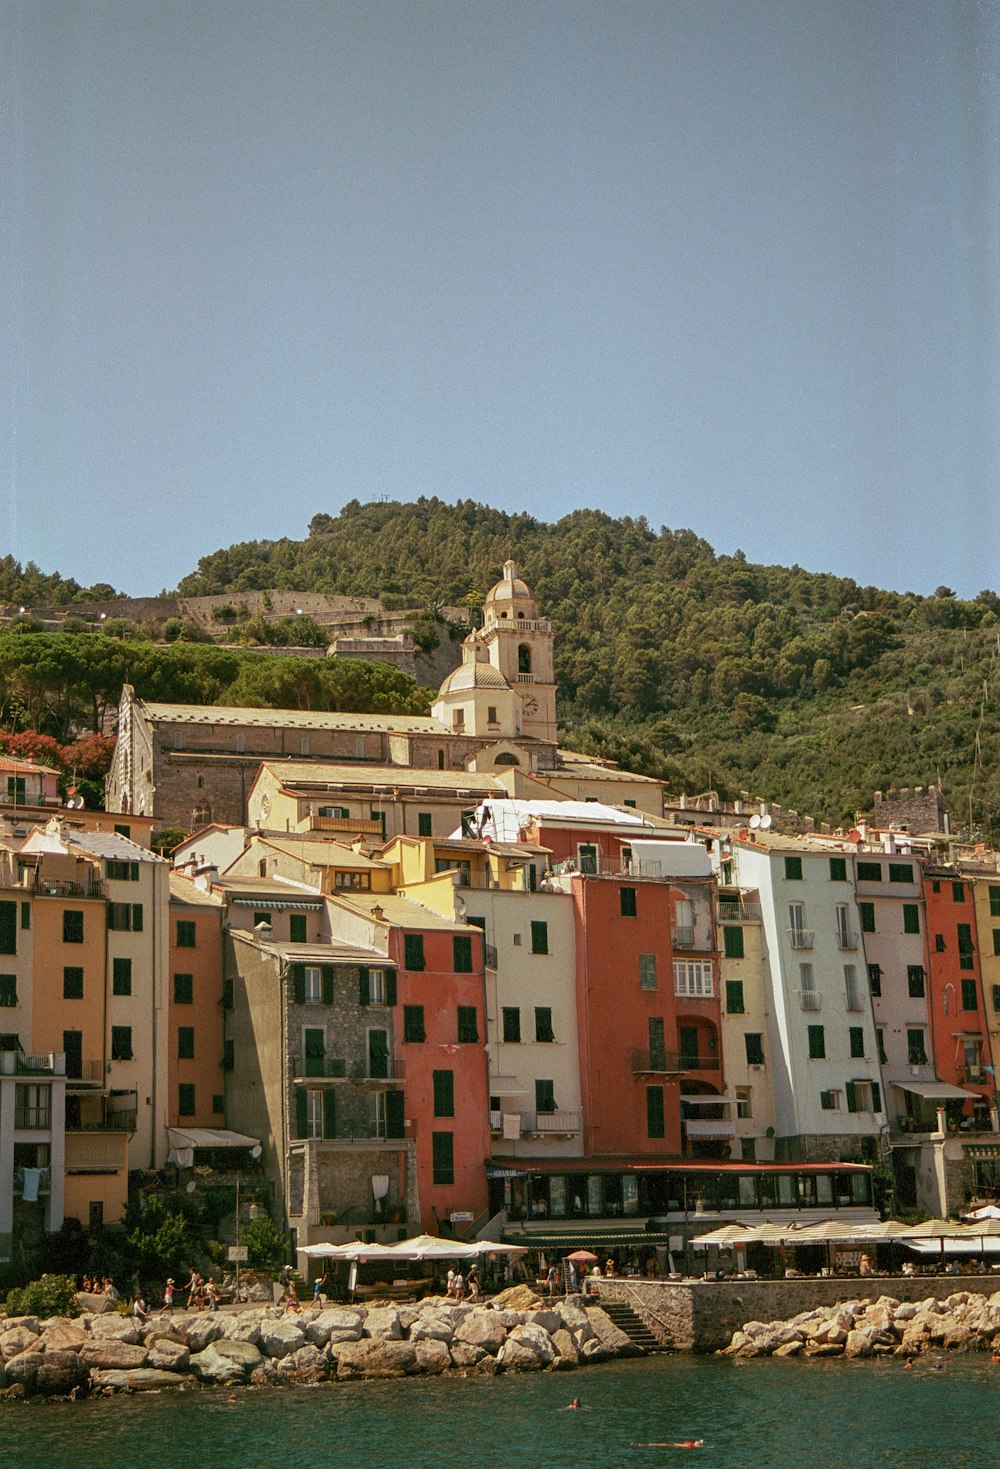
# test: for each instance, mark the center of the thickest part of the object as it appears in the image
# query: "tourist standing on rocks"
(168, 1297)
(318, 1285)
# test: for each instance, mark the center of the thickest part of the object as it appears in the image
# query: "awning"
(557, 1240)
(710, 1127)
(705, 1099)
(184, 1140)
(933, 1089)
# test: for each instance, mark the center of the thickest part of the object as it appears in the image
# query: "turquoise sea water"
(774, 1414)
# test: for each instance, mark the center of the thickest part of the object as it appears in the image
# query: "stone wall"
(701, 1315)
(918, 810)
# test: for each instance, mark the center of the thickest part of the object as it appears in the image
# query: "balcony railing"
(28, 1118)
(731, 911)
(684, 937)
(44, 1180)
(84, 1073)
(647, 1063)
(46, 887)
(801, 938)
(978, 1075)
(810, 1000)
(368, 1132)
(847, 938)
(336, 1068)
(21, 1063)
(106, 1120)
(558, 1122)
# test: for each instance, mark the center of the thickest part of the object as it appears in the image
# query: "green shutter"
(301, 1113)
(363, 991)
(327, 984)
(330, 1113)
(395, 1121)
(876, 1097)
(299, 982)
(732, 939)
(25, 915)
(390, 987)
(137, 918)
(852, 1097)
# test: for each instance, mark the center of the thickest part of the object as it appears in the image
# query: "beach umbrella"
(939, 1229)
(725, 1237)
(491, 1247)
(582, 1257)
(884, 1229)
(432, 1247)
(828, 1232)
(985, 1211)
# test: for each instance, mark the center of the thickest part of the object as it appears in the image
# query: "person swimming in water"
(688, 1443)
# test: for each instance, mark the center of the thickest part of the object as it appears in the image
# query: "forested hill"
(708, 670)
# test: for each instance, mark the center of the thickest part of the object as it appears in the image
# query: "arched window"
(506, 759)
(202, 814)
(523, 658)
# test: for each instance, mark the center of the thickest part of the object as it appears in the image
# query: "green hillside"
(707, 670)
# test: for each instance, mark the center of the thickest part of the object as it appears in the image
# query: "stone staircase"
(629, 1321)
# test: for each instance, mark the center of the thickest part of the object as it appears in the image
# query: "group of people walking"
(459, 1286)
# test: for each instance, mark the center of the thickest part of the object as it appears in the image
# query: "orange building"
(195, 1066)
(959, 1028)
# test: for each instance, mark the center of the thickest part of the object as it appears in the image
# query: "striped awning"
(557, 1239)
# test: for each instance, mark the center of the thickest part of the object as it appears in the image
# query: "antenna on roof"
(765, 823)
(754, 822)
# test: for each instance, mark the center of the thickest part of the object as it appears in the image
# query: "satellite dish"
(256, 1151)
(754, 823)
(765, 823)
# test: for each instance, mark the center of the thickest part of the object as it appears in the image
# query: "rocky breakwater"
(516, 1332)
(962, 1322)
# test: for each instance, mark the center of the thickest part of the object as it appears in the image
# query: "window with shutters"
(297, 926)
(875, 979)
(185, 1099)
(378, 1054)
(915, 981)
(817, 1042)
(627, 902)
(121, 976)
(8, 990)
(911, 918)
(545, 1095)
(413, 1023)
(970, 995)
(539, 937)
(838, 869)
(856, 1036)
(869, 872)
(866, 914)
(461, 945)
(655, 1112)
(830, 1100)
(72, 983)
(183, 989)
(916, 1046)
(510, 1019)
(187, 934)
(72, 927)
(793, 869)
(425, 824)
(121, 1043)
(468, 1024)
(966, 958)
(753, 1042)
(995, 902)
(735, 1004)
(732, 942)
(413, 951)
(443, 1157)
(312, 985)
(314, 1046)
(185, 1043)
(543, 1023)
(900, 872)
(647, 971)
(8, 928)
(444, 1093)
(377, 989)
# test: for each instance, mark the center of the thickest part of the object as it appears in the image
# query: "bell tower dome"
(519, 645)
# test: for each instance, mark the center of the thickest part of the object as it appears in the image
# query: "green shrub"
(52, 1295)
(265, 1243)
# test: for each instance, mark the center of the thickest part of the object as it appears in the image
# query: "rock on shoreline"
(962, 1322)
(516, 1332)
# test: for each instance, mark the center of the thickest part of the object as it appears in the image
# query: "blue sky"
(728, 264)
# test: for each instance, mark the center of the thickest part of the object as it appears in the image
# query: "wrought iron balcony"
(801, 938)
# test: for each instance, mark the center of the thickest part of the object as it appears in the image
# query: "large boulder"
(483, 1329)
(22, 1370)
(384, 1324)
(113, 1355)
(566, 1347)
(139, 1379)
(18, 1339)
(465, 1355)
(211, 1366)
(115, 1328)
(433, 1356)
(244, 1327)
(577, 1321)
(375, 1357)
(62, 1335)
(167, 1355)
(201, 1330)
(282, 1337)
(615, 1341)
(336, 1323)
(307, 1363)
(548, 1319)
(62, 1374)
(430, 1326)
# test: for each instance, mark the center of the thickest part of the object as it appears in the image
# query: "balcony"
(670, 1063)
(84, 1075)
(810, 999)
(46, 887)
(733, 911)
(684, 937)
(32, 1119)
(846, 939)
(336, 1068)
(977, 1075)
(546, 1124)
(104, 1119)
(801, 938)
(367, 1133)
(21, 1063)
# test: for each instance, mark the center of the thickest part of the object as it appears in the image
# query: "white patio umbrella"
(491, 1247)
(432, 1247)
(725, 1237)
(985, 1211)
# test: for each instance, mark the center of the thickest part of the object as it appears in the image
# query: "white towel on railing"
(511, 1126)
(32, 1181)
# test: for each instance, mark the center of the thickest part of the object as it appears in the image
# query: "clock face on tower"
(530, 704)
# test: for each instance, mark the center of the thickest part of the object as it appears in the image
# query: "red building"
(959, 1030)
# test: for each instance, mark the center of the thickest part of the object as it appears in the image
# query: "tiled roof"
(300, 719)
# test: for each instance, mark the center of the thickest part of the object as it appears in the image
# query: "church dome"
(509, 587)
(474, 676)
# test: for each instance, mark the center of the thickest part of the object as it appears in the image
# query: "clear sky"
(729, 264)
